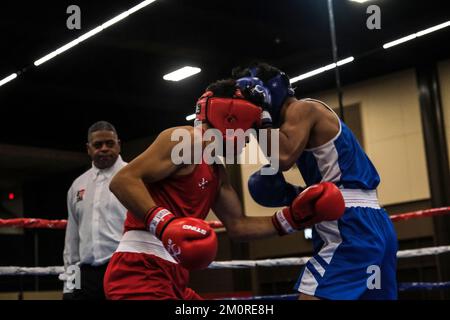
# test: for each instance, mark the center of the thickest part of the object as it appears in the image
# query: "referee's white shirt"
(95, 218)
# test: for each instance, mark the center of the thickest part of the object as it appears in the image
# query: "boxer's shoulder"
(169, 131)
(303, 106)
(176, 133)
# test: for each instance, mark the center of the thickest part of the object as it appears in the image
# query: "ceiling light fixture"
(190, 117)
(322, 69)
(182, 73)
(416, 35)
(9, 78)
(92, 32)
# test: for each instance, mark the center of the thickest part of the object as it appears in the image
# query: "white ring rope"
(237, 264)
(422, 252)
(32, 271)
(233, 264)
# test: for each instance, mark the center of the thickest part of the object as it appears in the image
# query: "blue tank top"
(341, 160)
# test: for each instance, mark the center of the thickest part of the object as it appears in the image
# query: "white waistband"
(360, 198)
(141, 241)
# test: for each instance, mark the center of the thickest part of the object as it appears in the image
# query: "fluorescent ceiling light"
(312, 73)
(181, 74)
(93, 32)
(8, 79)
(190, 117)
(322, 69)
(416, 35)
(398, 41)
(116, 19)
(345, 61)
(89, 34)
(140, 6)
(432, 29)
(359, 1)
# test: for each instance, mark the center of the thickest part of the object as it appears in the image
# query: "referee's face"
(103, 148)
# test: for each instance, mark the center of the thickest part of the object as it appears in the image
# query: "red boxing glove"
(190, 241)
(320, 202)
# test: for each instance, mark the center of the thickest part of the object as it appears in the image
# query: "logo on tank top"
(80, 195)
(202, 184)
(173, 249)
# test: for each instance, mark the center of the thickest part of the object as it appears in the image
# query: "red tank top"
(190, 195)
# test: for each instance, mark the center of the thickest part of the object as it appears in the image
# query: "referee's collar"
(108, 172)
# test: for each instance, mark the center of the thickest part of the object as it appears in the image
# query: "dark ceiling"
(117, 74)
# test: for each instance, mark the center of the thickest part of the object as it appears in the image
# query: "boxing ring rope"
(240, 264)
(31, 271)
(31, 223)
(405, 286)
(232, 264)
(34, 223)
(421, 214)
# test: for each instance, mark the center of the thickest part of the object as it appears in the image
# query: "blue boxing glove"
(256, 92)
(272, 190)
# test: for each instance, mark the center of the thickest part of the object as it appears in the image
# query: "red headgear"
(228, 113)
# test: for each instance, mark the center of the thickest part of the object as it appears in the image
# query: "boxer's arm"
(294, 133)
(228, 208)
(154, 164)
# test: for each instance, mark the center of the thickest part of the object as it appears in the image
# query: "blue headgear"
(273, 92)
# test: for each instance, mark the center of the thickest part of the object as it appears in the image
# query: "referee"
(95, 216)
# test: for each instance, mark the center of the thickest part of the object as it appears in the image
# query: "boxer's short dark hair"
(265, 71)
(226, 88)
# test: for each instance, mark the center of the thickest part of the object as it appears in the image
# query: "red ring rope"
(31, 223)
(421, 213)
(28, 223)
